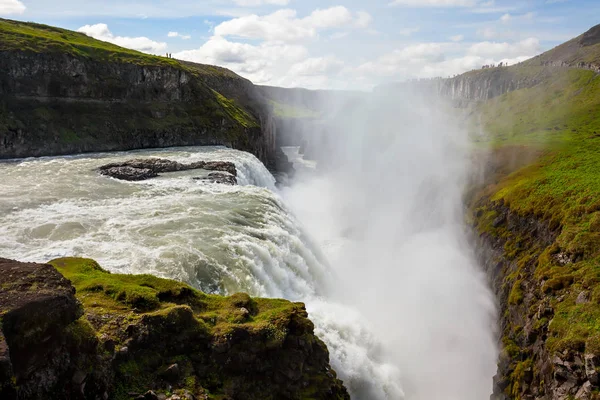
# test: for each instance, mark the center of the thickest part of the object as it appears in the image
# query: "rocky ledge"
(71, 330)
(143, 169)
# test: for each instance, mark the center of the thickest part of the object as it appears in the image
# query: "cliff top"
(140, 333)
(38, 38)
(584, 48)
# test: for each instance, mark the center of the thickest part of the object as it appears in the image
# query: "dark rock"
(592, 362)
(66, 360)
(171, 374)
(223, 166)
(38, 309)
(219, 177)
(129, 173)
(146, 168)
(591, 37)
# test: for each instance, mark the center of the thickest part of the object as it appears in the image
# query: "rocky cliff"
(62, 92)
(582, 52)
(104, 336)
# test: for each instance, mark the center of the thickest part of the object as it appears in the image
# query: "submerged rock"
(180, 343)
(146, 168)
(219, 177)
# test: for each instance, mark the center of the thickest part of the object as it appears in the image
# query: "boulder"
(145, 168)
(129, 173)
(219, 177)
(37, 307)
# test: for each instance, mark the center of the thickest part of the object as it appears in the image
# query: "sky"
(325, 44)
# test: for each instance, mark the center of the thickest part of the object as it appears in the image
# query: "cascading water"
(386, 207)
(219, 238)
(390, 284)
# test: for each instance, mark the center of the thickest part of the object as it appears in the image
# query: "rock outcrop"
(510, 247)
(141, 337)
(146, 168)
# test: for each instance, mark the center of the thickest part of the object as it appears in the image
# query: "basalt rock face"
(40, 349)
(509, 246)
(485, 84)
(58, 103)
(132, 337)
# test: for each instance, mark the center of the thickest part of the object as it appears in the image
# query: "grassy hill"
(545, 217)
(582, 49)
(38, 38)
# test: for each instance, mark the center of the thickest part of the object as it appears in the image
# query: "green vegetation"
(283, 110)
(113, 112)
(21, 36)
(175, 323)
(236, 112)
(551, 132)
(135, 295)
(564, 106)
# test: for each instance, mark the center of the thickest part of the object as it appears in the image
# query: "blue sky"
(327, 43)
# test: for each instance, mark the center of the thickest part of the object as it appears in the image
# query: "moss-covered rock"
(141, 333)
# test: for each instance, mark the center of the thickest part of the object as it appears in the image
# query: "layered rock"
(151, 338)
(510, 247)
(146, 168)
(57, 99)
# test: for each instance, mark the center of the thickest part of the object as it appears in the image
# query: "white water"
(387, 210)
(389, 281)
(222, 239)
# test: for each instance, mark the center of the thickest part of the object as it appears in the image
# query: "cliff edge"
(62, 92)
(71, 330)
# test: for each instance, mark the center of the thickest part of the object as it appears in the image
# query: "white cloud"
(506, 18)
(8, 7)
(457, 38)
(339, 35)
(434, 3)
(179, 35)
(101, 32)
(408, 31)
(317, 66)
(261, 63)
(487, 33)
(284, 25)
(524, 48)
(333, 17)
(256, 3)
(429, 60)
(363, 19)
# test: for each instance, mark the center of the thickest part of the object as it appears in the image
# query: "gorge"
(418, 256)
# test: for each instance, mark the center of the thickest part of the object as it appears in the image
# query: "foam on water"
(219, 238)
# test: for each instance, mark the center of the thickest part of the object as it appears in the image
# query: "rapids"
(218, 238)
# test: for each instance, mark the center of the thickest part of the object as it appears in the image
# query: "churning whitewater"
(379, 252)
(219, 238)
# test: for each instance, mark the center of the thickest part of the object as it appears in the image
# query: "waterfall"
(221, 239)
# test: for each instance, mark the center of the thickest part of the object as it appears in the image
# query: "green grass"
(283, 110)
(565, 106)
(21, 36)
(38, 38)
(236, 112)
(116, 303)
(550, 132)
(101, 291)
